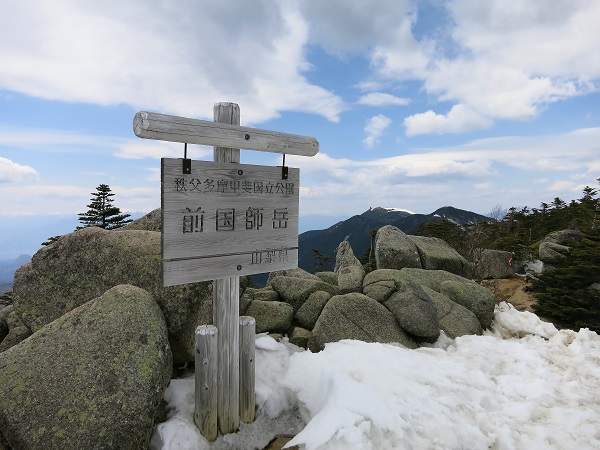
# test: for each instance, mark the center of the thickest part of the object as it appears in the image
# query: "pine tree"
(101, 212)
(565, 293)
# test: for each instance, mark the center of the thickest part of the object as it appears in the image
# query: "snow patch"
(523, 384)
(399, 210)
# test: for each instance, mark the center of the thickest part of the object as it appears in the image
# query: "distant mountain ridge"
(7, 271)
(357, 229)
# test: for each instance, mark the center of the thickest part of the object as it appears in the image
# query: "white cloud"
(495, 90)
(342, 26)
(507, 60)
(464, 176)
(11, 171)
(374, 128)
(382, 99)
(67, 141)
(562, 186)
(40, 199)
(44, 199)
(48, 140)
(160, 56)
(147, 148)
(557, 41)
(459, 119)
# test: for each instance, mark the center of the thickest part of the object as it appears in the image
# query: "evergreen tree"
(101, 212)
(321, 261)
(565, 292)
(51, 240)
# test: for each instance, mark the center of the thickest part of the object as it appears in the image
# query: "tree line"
(567, 293)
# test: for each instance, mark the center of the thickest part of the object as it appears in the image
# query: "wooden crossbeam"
(193, 131)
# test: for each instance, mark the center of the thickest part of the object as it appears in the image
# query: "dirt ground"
(511, 290)
(279, 442)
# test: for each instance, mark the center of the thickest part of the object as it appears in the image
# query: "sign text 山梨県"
(223, 219)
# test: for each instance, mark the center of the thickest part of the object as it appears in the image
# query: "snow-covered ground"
(522, 385)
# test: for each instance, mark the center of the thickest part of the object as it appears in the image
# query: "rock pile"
(88, 347)
(418, 288)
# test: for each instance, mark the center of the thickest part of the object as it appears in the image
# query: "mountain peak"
(358, 230)
(399, 210)
(386, 214)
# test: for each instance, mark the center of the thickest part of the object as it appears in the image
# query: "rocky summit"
(91, 340)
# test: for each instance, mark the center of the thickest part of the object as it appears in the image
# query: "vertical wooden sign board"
(224, 219)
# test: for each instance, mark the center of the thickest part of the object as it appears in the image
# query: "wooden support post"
(226, 294)
(247, 372)
(205, 411)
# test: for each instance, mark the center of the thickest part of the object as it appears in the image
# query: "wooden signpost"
(222, 220)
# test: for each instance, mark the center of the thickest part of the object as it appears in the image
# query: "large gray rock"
(381, 283)
(14, 328)
(556, 245)
(564, 237)
(300, 337)
(4, 314)
(454, 319)
(150, 222)
(431, 278)
(550, 250)
(476, 298)
(356, 316)
(394, 249)
(414, 311)
(349, 270)
(310, 311)
(294, 273)
(296, 291)
(494, 264)
(14, 336)
(436, 254)
(271, 316)
(251, 294)
(92, 379)
(328, 277)
(409, 303)
(82, 265)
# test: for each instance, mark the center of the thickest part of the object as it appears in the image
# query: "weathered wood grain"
(184, 271)
(259, 209)
(205, 409)
(247, 369)
(164, 127)
(226, 312)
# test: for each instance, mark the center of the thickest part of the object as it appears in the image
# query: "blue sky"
(416, 104)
